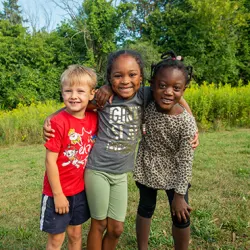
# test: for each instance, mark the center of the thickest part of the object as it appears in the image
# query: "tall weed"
(214, 107)
(219, 106)
(24, 124)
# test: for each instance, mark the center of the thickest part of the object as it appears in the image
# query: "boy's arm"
(60, 200)
(195, 141)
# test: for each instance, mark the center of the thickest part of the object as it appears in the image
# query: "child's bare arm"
(185, 105)
(60, 200)
(104, 94)
(48, 132)
(180, 208)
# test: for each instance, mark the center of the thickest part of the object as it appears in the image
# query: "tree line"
(212, 35)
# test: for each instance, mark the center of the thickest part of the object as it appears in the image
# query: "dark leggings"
(147, 204)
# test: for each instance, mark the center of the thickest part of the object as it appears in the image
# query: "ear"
(92, 94)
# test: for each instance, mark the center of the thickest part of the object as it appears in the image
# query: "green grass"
(220, 197)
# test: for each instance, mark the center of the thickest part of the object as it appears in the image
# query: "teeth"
(166, 101)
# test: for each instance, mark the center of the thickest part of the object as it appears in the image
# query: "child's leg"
(95, 235)
(112, 235)
(142, 231)
(181, 237)
(98, 191)
(55, 241)
(180, 229)
(74, 237)
(118, 201)
(145, 212)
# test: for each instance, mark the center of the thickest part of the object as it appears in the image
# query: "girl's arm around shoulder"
(185, 105)
(48, 131)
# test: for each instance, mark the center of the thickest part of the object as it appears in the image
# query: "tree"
(11, 12)
(96, 24)
(205, 32)
(30, 65)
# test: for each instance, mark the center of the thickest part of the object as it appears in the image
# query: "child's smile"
(168, 87)
(125, 76)
(76, 98)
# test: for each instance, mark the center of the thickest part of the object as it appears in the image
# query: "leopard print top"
(165, 155)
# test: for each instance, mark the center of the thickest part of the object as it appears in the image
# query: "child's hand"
(195, 142)
(47, 130)
(180, 208)
(61, 204)
(103, 95)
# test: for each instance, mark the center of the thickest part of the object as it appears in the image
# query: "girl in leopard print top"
(165, 155)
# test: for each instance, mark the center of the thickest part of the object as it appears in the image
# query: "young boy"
(64, 205)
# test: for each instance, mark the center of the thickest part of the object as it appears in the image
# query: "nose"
(125, 80)
(73, 95)
(168, 91)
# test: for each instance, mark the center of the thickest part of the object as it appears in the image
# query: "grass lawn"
(219, 196)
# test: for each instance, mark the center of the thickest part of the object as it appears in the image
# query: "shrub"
(219, 105)
(24, 124)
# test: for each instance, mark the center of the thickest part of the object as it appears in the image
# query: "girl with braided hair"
(164, 160)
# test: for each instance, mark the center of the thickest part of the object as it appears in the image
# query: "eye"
(67, 90)
(162, 86)
(133, 74)
(117, 76)
(177, 88)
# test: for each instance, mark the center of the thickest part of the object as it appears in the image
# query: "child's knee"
(74, 233)
(55, 241)
(99, 225)
(146, 211)
(115, 229)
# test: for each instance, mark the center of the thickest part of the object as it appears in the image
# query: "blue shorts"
(55, 223)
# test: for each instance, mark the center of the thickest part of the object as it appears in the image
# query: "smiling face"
(168, 87)
(125, 76)
(76, 98)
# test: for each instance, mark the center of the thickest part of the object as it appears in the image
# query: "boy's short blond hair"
(77, 74)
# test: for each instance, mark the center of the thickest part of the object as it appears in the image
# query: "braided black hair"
(170, 60)
(113, 56)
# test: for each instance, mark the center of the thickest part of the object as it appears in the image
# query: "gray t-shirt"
(118, 134)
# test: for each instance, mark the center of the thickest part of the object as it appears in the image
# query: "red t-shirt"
(74, 138)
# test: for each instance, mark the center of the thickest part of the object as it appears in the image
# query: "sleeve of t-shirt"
(54, 144)
(185, 154)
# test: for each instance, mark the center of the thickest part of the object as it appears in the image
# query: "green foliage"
(97, 24)
(207, 33)
(214, 107)
(218, 106)
(24, 124)
(30, 65)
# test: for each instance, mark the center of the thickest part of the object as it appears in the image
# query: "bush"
(24, 124)
(214, 107)
(219, 105)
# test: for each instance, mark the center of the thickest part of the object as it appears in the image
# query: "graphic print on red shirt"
(73, 141)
